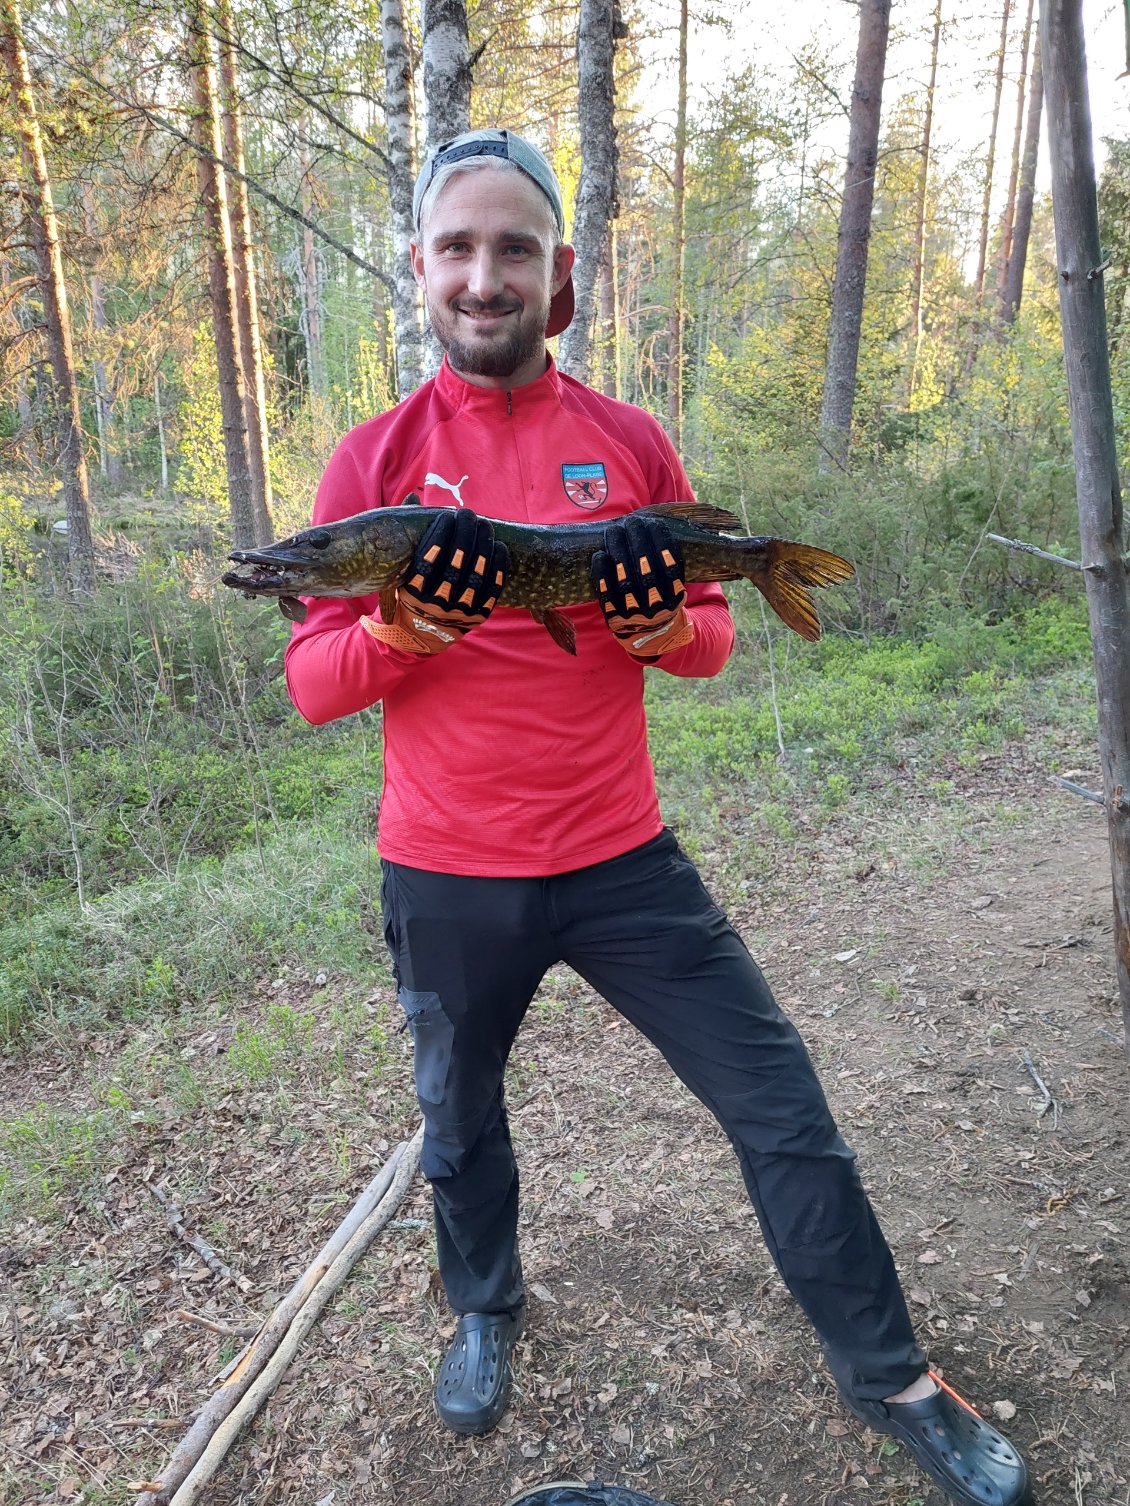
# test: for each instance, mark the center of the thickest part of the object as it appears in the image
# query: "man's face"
(489, 264)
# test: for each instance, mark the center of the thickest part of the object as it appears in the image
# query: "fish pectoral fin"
(387, 600)
(411, 500)
(704, 514)
(558, 626)
(293, 609)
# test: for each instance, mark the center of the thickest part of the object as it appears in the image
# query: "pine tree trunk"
(678, 247)
(990, 160)
(855, 232)
(1025, 192)
(246, 293)
(1101, 533)
(919, 276)
(447, 70)
(596, 191)
(1008, 218)
(109, 461)
(221, 276)
(49, 263)
(400, 114)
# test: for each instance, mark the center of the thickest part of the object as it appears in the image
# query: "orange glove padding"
(452, 585)
(638, 580)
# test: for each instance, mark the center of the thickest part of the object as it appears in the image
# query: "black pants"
(469, 954)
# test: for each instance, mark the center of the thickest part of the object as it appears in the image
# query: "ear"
(563, 259)
(416, 253)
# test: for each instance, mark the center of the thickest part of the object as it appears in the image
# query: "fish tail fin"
(782, 575)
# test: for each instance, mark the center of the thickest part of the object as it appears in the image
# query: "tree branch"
(1056, 559)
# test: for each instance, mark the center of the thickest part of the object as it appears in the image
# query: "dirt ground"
(957, 997)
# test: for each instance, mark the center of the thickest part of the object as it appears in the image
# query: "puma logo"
(431, 479)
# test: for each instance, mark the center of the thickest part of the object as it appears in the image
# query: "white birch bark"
(401, 126)
(596, 191)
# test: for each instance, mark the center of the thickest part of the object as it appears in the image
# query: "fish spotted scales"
(550, 565)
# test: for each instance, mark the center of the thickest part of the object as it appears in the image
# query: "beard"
(494, 353)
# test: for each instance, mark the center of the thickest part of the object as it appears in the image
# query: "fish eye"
(319, 538)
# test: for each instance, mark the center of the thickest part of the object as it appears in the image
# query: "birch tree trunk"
(596, 191)
(1101, 533)
(1025, 192)
(56, 312)
(1008, 218)
(920, 203)
(447, 96)
(447, 70)
(311, 277)
(678, 247)
(221, 278)
(400, 115)
(855, 232)
(990, 159)
(246, 293)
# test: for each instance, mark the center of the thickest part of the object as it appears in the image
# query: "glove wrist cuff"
(648, 644)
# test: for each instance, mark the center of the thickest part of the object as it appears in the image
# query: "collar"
(499, 402)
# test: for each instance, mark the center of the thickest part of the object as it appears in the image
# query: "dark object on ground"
(574, 1493)
(473, 1388)
(968, 1458)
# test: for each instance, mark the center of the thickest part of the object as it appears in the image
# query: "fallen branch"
(243, 1331)
(1041, 554)
(257, 1371)
(1079, 789)
(1049, 1102)
(174, 1217)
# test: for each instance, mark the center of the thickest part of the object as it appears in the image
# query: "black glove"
(638, 580)
(452, 585)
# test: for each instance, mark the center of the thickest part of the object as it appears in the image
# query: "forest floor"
(948, 963)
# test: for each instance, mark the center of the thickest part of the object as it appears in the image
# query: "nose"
(484, 276)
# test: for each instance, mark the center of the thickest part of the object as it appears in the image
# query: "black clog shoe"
(473, 1386)
(954, 1444)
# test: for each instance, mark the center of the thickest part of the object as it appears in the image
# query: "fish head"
(357, 556)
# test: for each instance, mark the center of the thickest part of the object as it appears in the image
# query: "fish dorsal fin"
(558, 626)
(704, 514)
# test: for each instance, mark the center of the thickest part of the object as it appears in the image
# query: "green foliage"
(17, 522)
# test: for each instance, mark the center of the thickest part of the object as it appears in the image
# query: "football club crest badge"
(585, 485)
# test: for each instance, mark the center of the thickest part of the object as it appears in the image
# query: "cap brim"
(560, 311)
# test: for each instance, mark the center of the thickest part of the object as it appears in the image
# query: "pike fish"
(370, 553)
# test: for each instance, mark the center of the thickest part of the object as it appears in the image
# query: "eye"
(319, 538)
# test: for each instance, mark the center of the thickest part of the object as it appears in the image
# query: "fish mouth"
(264, 577)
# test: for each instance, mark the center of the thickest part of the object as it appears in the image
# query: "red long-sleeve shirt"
(504, 756)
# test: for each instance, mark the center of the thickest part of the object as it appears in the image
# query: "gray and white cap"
(513, 148)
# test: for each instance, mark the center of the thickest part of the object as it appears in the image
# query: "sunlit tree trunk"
(610, 314)
(855, 232)
(221, 277)
(678, 247)
(56, 313)
(596, 192)
(1102, 537)
(1025, 192)
(400, 114)
(920, 203)
(160, 430)
(1008, 217)
(990, 159)
(246, 293)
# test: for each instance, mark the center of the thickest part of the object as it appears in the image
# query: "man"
(519, 826)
